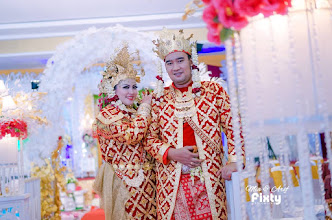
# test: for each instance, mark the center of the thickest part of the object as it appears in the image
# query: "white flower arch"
(65, 68)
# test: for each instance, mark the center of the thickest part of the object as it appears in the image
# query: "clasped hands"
(188, 156)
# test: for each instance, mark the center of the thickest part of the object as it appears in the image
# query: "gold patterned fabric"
(211, 114)
(120, 135)
(113, 193)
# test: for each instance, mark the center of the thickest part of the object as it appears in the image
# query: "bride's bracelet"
(144, 109)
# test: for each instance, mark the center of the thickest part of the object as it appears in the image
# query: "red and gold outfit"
(120, 137)
(180, 118)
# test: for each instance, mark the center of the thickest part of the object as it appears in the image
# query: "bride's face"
(127, 92)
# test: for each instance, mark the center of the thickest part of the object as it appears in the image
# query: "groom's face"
(178, 67)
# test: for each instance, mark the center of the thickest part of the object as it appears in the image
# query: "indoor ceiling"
(31, 30)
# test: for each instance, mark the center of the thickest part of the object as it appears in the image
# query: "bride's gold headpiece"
(124, 65)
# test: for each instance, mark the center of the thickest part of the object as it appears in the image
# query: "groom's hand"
(185, 156)
(227, 170)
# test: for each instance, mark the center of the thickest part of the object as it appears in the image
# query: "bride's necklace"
(118, 104)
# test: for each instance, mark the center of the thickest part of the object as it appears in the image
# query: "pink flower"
(206, 1)
(210, 17)
(228, 16)
(214, 33)
(278, 6)
(248, 7)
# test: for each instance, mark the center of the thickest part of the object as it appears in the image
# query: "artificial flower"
(248, 7)
(228, 16)
(214, 33)
(206, 1)
(223, 17)
(14, 127)
(269, 7)
(210, 17)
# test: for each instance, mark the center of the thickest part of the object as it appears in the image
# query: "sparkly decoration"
(250, 171)
(27, 107)
(52, 181)
(136, 181)
(288, 202)
(269, 81)
(236, 120)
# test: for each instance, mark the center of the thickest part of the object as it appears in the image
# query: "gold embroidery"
(110, 119)
(207, 176)
(144, 109)
(177, 170)
(232, 158)
(201, 134)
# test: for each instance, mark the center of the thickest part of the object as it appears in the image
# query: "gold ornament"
(51, 181)
(123, 66)
(169, 42)
(26, 107)
(191, 8)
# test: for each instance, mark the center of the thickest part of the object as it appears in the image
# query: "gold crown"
(169, 42)
(123, 66)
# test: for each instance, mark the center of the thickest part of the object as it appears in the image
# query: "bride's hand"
(146, 97)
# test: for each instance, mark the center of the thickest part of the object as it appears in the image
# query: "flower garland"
(116, 102)
(196, 89)
(13, 127)
(197, 171)
(160, 83)
(224, 17)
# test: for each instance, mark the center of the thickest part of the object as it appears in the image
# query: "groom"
(185, 138)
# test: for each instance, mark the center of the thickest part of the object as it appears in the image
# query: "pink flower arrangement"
(223, 17)
(14, 127)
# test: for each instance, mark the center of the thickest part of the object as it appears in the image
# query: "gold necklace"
(184, 104)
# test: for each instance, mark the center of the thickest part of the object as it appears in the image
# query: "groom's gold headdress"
(169, 42)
